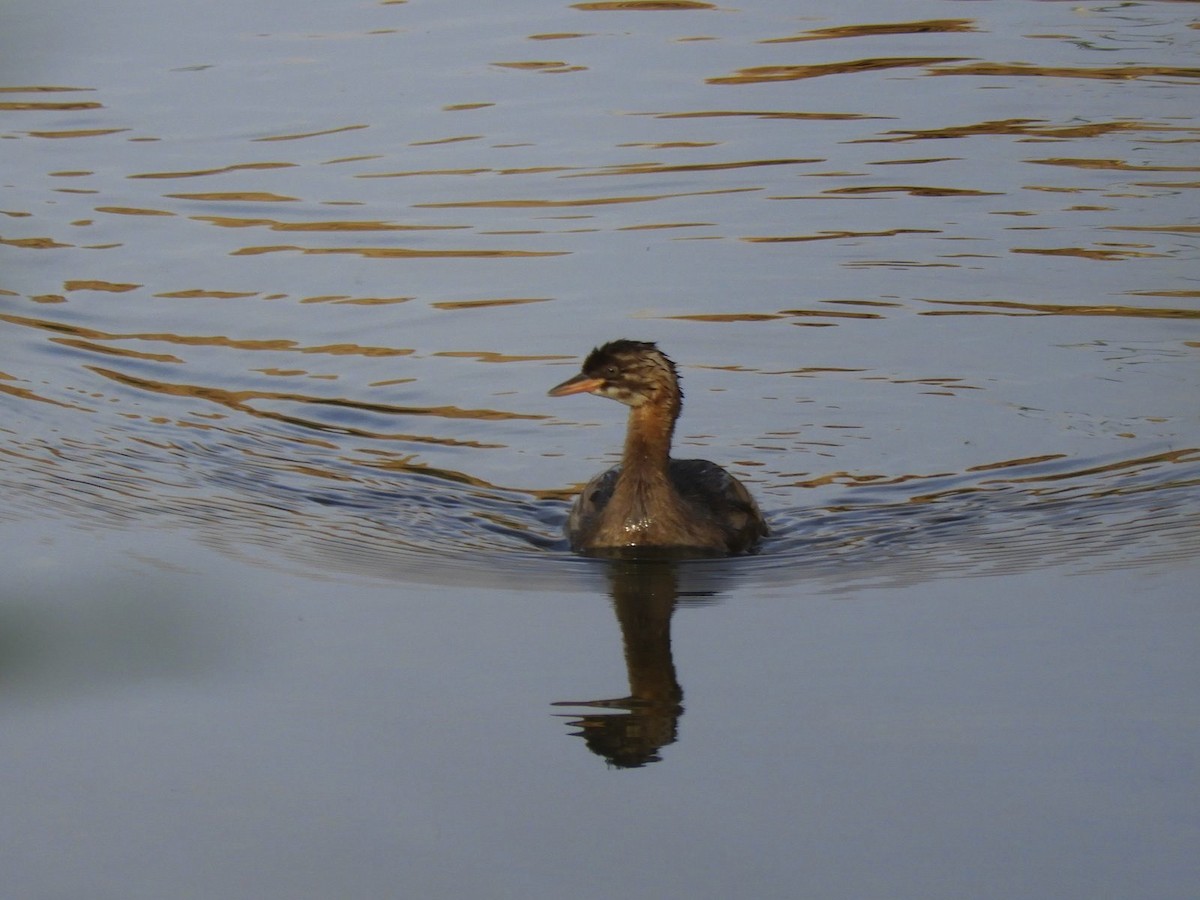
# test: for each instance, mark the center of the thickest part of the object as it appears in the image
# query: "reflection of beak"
(580, 384)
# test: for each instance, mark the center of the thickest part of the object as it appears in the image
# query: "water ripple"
(311, 506)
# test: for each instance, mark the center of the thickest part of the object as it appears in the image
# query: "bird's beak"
(580, 384)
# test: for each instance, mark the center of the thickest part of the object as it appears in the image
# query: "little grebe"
(651, 500)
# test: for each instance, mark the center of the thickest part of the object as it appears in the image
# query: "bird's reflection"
(629, 731)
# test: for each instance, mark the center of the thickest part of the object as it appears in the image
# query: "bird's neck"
(648, 438)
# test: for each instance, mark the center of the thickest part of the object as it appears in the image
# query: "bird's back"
(714, 502)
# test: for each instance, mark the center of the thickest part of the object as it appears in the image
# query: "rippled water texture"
(297, 282)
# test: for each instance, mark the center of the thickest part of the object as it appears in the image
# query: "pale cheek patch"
(623, 395)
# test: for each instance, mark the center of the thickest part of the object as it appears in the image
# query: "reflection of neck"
(643, 594)
(644, 599)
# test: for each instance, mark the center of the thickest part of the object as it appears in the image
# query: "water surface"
(285, 607)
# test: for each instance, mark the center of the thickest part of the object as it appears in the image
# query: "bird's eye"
(611, 371)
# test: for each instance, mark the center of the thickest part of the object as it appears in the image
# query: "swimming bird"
(651, 501)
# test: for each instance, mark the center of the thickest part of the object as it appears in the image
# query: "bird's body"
(650, 501)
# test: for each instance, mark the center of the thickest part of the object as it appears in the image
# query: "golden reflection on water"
(1088, 253)
(309, 134)
(132, 211)
(834, 235)
(1118, 466)
(77, 133)
(242, 401)
(236, 197)
(1178, 74)
(25, 106)
(446, 140)
(37, 243)
(222, 170)
(661, 168)
(764, 114)
(204, 340)
(581, 201)
(766, 317)
(927, 26)
(105, 286)
(345, 226)
(489, 356)
(643, 6)
(207, 295)
(124, 352)
(770, 74)
(555, 67)
(912, 190)
(499, 301)
(27, 394)
(1031, 128)
(1013, 308)
(397, 252)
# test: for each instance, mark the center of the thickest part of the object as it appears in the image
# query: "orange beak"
(580, 384)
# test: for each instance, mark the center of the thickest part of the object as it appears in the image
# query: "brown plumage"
(650, 500)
